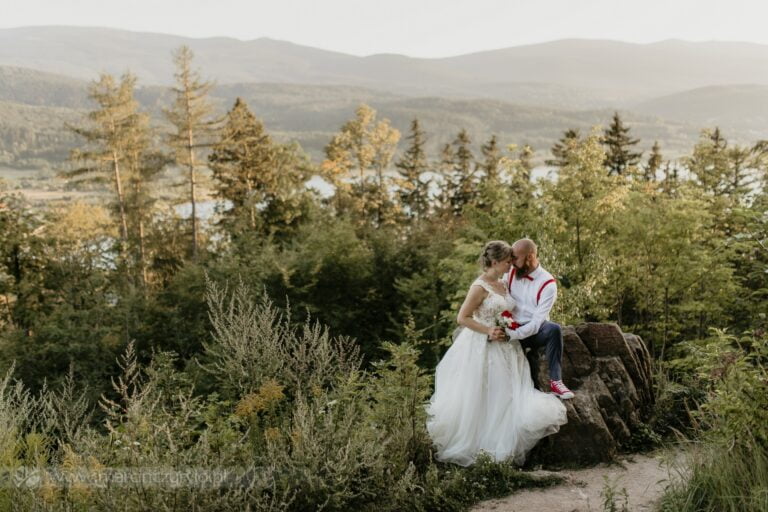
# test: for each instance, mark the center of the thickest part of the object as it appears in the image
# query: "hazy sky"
(420, 28)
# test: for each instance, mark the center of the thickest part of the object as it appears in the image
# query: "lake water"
(206, 209)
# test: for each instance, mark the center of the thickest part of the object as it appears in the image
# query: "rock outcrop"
(610, 373)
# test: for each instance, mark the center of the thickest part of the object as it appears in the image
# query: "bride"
(484, 398)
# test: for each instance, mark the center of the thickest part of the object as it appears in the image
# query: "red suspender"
(511, 277)
(538, 296)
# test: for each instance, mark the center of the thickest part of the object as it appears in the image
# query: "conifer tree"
(194, 127)
(414, 189)
(723, 170)
(146, 164)
(444, 169)
(363, 145)
(654, 162)
(511, 195)
(618, 147)
(577, 197)
(120, 150)
(670, 183)
(116, 141)
(491, 159)
(462, 178)
(520, 177)
(243, 163)
(525, 156)
(709, 162)
(561, 149)
(250, 170)
(747, 166)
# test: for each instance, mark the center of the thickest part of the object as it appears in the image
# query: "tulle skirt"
(484, 400)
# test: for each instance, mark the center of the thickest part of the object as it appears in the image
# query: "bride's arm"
(471, 303)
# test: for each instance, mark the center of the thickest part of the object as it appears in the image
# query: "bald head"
(524, 256)
(524, 247)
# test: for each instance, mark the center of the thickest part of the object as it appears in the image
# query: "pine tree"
(578, 198)
(414, 190)
(525, 159)
(654, 162)
(191, 117)
(746, 166)
(363, 145)
(491, 159)
(709, 163)
(21, 267)
(243, 164)
(462, 180)
(562, 148)
(619, 156)
(146, 164)
(444, 169)
(250, 170)
(670, 183)
(116, 139)
(521, 181)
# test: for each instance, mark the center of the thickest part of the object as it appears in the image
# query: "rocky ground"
(643, 476)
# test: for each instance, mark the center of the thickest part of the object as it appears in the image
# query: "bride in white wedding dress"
(484, 398)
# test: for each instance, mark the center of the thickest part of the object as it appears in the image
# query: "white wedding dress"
(484, 398)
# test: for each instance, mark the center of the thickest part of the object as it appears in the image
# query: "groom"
(534, 290)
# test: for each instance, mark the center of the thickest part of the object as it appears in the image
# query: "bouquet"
(505, 320)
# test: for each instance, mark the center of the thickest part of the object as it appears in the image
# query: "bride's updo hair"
(495, 250)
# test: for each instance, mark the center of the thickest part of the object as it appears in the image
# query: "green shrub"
(294, 420)
(727, 469)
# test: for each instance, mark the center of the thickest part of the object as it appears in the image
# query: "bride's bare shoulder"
(479, 284)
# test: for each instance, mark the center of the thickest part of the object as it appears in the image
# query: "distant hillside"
(34, 105)
(34, 136)
(573, 74)
(31, 87)
(315, 113)
(312, 114)
(734, 107)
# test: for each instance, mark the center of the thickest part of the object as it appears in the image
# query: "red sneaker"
(560, 390)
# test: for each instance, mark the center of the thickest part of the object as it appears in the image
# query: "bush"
(293, 419)
(727, 469)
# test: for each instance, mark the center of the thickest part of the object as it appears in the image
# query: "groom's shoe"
(560, 390)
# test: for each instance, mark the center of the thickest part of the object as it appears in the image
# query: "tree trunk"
(193, 202)
(120, 200)
(142, 255)
(192, 190)
(192, 181)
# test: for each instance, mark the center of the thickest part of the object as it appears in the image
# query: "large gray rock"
(610, 373)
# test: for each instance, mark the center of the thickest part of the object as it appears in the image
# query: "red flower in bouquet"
(506, 320)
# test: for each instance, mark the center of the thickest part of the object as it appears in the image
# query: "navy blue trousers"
(550, 338)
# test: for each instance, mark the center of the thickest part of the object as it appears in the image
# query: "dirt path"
(643, 476)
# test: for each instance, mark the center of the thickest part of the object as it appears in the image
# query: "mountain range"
(668, 90)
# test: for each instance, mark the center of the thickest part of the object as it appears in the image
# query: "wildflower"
(272, 434)
(295, 436)
(267, 396)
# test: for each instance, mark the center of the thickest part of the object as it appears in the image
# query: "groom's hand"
(497, 334)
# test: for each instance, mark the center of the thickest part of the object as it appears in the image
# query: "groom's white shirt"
(533, 298)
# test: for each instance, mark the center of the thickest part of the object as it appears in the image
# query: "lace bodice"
(492, 305)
